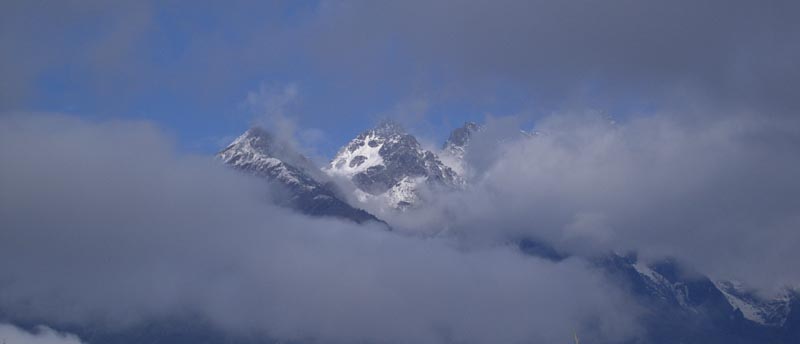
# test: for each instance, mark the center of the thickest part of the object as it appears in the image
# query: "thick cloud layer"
(721, 195)
(105, 221)
(42, 335)
(105, 224)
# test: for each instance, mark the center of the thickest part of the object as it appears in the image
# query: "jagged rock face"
(691, 308)
(389, 163)
(455, 148)
(769, 312)
(259, 153)
(677, 305)
(456, 144)
(665, 281)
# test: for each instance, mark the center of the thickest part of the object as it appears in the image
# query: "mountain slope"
(680, 306)
(768, 312)
(258, 153)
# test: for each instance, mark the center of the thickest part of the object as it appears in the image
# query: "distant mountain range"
(385, 164)
(388, 166)
(259, 153)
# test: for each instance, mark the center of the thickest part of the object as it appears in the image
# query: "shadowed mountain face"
(388, 163)
(258, 153)
(459, 138)
(682, 306)
(455, 148)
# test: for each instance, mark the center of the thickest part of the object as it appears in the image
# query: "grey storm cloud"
(103, 223)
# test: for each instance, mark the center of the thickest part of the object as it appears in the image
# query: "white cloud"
(10, 334)
(105, 220)
(719, 194)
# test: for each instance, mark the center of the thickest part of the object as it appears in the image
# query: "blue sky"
(159, 69)
(190, 67)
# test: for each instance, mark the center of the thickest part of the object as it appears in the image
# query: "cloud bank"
(721, 195)
(104, 224)
(42, 335)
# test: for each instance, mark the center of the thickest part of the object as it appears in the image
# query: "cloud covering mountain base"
(721, 194)
(105, 225)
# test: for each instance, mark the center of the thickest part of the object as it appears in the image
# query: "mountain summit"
(259, 153)
(388, 163)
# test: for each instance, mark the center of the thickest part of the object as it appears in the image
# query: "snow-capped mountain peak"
(258, 152)
(364, 152)
(388, 163)
(261, 153)
(361, 154)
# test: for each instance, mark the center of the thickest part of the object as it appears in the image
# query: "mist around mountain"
(387, 170)
(215, 172)
(296, 182)
(562, 233)
(454, 150)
